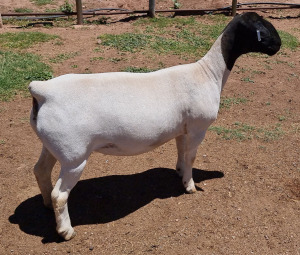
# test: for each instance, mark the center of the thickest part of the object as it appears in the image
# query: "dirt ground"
(248, 191)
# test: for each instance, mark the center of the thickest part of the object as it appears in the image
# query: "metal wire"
(117, 11)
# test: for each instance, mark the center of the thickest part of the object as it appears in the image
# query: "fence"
(151, 12)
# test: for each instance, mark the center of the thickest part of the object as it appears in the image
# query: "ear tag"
(258, 35)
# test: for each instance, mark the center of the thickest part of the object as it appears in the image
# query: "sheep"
(127, 114)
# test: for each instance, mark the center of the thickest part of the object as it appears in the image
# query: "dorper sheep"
(128, 113)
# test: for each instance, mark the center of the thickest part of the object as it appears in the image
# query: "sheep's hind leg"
(66, 181)
(42, 172)
(180, 143)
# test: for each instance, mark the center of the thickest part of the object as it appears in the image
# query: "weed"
(125, 42)
(296, 128)
(23, 10)
(270, 134)
(212, 31)
(281, 118)
(100, 21)
(115, 60)
(247, 79)
(24, 119)
(63, 56)
(23, 40)
(42, 2)
(258, 72)
(164, 22)
(227, 102)
(178, 36)
(66, 7)
(241, 69)
(96, 59)
(98, 49)
(241, 132)
(184, 43)
(133, 69)
(288, 41)
(268, 67)
(17, 70)
(176, 4)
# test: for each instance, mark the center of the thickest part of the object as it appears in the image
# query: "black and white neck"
(246, 33)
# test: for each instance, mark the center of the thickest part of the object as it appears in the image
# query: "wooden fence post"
(151, 11)
(1, 23)
(79, 12)
(233, 10)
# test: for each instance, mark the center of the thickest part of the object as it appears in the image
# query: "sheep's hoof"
(189, 186)
(67, 234)
(190, 190)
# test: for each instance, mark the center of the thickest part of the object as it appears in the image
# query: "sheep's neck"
(213, 64)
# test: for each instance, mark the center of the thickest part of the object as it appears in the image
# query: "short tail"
(36, 89)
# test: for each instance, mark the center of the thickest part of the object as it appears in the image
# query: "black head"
(246, 33)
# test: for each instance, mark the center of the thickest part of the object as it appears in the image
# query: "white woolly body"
(122, 114)
(127, 113)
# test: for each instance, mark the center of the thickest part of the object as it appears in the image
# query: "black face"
(248, 33)
(262, 35)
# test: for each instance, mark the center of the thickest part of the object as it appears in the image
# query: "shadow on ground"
(104, 199)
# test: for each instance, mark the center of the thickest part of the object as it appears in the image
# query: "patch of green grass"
(212, 31)
(176, 4)
(164, 22)
(288, 41)
(131, 42)
(42, 2)
(247, 79)
(184, 42)
(63, 56)
(66, 7)
(115, 60)
(133, 69)
(178, 36)
(23, 10)
(17, 70)
(241, 131)
(96, 59)
(24, 40)
(227, 102)
(100, 21)
(281, 118)
(270, 134)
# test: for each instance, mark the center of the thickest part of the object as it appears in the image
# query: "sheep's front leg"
(67, 180)
(42, 172)
(187, 171)
(187, 146)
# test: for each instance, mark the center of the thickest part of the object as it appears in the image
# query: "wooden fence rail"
(151, 11)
